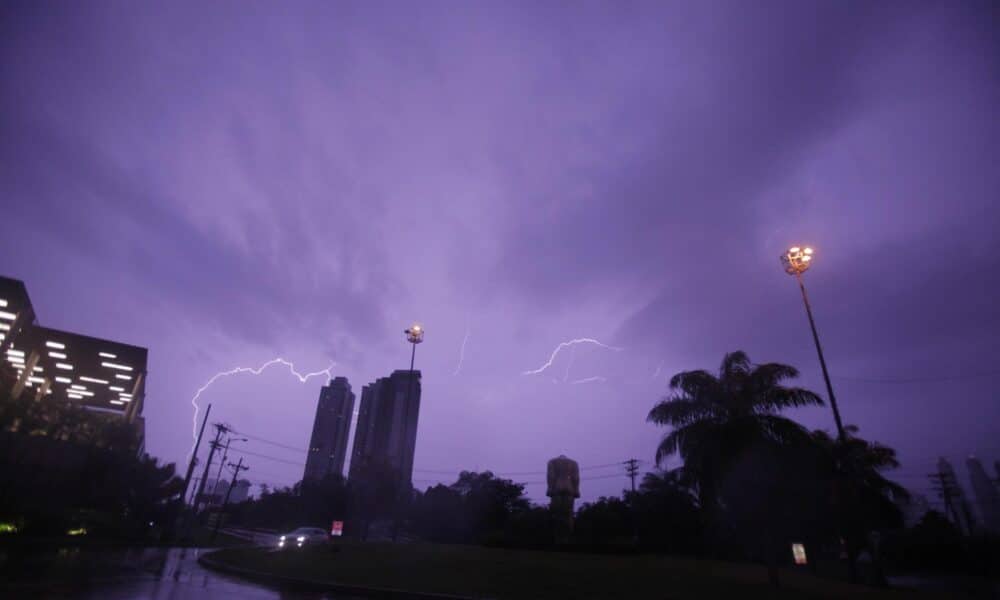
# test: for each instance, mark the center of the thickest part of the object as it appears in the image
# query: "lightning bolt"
(562, 345)
(274, 361)
(658, 369)
(461, 352)
(589, 379)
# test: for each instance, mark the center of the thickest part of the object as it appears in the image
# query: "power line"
(271, 442)
(904, 380)
(274, 458)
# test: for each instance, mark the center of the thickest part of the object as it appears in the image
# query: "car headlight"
(282, 538)
(301, 538)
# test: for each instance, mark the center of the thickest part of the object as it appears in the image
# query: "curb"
(207, 561)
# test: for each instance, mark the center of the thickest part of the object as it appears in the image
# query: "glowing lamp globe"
(796, 260)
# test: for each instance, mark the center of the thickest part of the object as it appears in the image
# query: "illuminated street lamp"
(796, 261)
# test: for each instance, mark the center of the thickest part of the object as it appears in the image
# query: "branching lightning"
(461, 351)
(562, 345)
(275, 361)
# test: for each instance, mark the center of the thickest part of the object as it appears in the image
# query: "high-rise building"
(987, 496)
(954, 497)
(328, 444)
(102, 376)
(386, 433)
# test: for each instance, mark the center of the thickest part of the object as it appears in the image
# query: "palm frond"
(694, 383)
(771, 374)
(778, 398)
(678, 411)
(784, 430)
(668, 446)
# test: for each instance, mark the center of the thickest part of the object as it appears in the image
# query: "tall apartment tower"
(387, 425)
(987, 496)
(328, 444)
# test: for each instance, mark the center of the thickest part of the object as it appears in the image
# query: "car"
(303, 536)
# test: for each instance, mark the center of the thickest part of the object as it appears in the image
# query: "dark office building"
(387, 424)
(328, 445)
(100, 375)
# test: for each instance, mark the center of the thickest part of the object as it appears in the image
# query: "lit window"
(125, 377)
(37, 379)
(93, 380)
(13, 352)
(106, 355)
(38, 369)
(75, 396)
(64, 380)
(114, 388)
(4, 327)
(118, 402)
(64, 366)
(57, 355)
(56, 345)
(80, 392)
(112, 365)
(6, 315)
(77, 387)
(123, 395)
(16, 360)
(3, 303)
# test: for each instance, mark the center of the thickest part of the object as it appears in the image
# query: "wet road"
(116, 574)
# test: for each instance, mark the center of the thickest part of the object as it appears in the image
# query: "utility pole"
(220, 430)
(632, 468)
(193, 490)
(222, 463)
(236, 471)
(194, 455)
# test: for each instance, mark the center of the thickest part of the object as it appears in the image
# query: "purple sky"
(225, 183)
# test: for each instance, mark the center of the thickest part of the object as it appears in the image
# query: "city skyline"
(515, 178)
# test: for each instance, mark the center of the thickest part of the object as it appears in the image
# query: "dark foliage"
(63, 467)
(307, 503)
(477, 508)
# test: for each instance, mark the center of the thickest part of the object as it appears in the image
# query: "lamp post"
(414, 335)
(796, 261)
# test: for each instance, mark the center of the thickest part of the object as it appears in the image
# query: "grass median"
(519, 574)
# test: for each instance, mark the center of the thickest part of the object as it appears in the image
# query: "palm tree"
(716, 419)
(861, 488)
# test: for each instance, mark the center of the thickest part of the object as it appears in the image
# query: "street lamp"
(796, 261)
(414, 335)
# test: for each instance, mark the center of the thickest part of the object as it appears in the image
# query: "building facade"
(102, 376)
(986, 494)
(331, 428)
(386, 433)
